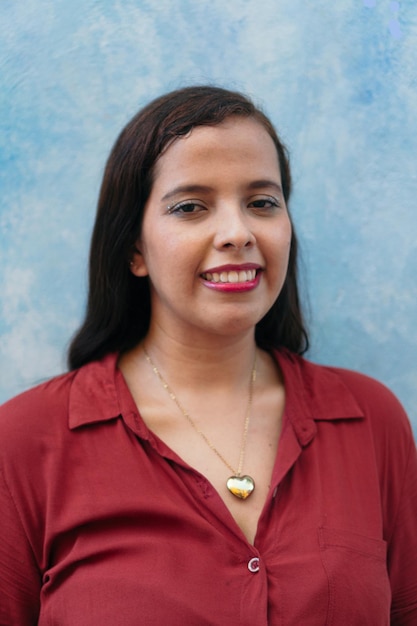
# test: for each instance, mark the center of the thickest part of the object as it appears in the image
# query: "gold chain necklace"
(240, 486)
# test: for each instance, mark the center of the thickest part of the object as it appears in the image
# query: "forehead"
(236, 142)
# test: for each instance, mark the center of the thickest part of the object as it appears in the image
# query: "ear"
(137, 263)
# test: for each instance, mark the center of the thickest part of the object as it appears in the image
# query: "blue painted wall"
(338, 79)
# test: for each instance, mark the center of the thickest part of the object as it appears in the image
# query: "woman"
(192, 468)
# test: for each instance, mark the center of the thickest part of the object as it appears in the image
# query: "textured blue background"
(338, 79)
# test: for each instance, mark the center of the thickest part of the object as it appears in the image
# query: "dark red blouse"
(102, 524)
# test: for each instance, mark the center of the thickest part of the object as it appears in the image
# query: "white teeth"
(230, 277)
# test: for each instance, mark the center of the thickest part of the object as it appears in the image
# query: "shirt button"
(253, 565)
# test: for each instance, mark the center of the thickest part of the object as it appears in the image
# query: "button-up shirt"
(102, 523)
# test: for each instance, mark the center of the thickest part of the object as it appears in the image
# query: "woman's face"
(216, 233)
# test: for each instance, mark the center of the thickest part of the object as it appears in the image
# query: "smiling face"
(216, 233)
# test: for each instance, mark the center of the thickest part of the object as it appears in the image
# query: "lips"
(232, 276)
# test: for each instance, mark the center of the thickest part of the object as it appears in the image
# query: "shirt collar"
(313, 393)
(93, 396)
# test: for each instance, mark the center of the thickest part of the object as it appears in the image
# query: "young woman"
(192, 468)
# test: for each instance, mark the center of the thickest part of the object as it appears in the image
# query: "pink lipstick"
(233, 278)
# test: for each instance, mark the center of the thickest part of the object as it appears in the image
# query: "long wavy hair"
(118, 307)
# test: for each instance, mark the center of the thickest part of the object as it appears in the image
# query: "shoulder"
(328, 388)
(89, 383)
(44, 413)
(386, 419)
(376, 400)
(29, 406)
(28, 420)
(371, 394)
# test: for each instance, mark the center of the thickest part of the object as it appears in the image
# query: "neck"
(215, 363)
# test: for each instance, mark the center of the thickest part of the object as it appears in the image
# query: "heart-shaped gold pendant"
(240, 486)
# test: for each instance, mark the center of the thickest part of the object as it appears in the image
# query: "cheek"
(280, 243)
(167, 262)
(287, 238)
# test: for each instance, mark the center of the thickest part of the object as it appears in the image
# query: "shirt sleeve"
(20, 579)
(402, 554)
(396, 459)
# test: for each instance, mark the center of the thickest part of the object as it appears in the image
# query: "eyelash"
(179, 208)
(273, 203)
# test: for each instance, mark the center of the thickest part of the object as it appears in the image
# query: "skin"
(216, 206)
(207, 209)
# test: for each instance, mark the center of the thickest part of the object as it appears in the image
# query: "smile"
(233, 279)
(243, 276)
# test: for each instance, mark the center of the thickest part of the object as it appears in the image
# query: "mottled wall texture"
(339, 80)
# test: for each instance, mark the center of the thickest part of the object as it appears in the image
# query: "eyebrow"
(186, 189)
(260, 184)
(256, 184)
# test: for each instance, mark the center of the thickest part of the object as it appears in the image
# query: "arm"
(396, 460)
(20, 579)
(402, 553)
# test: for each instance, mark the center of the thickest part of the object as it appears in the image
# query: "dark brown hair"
(118, 308)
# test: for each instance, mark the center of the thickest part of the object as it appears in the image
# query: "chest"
(253, 454)
(154, 523)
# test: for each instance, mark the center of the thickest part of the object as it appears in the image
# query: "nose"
(233, 230)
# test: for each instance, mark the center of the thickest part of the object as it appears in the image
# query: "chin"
(237, 326)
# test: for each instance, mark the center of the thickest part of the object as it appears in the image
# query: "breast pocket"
(356, 568)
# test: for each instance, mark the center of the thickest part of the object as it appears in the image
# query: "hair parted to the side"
(118, 307)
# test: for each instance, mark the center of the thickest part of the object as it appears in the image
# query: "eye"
(265, 204)
(186, 207)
